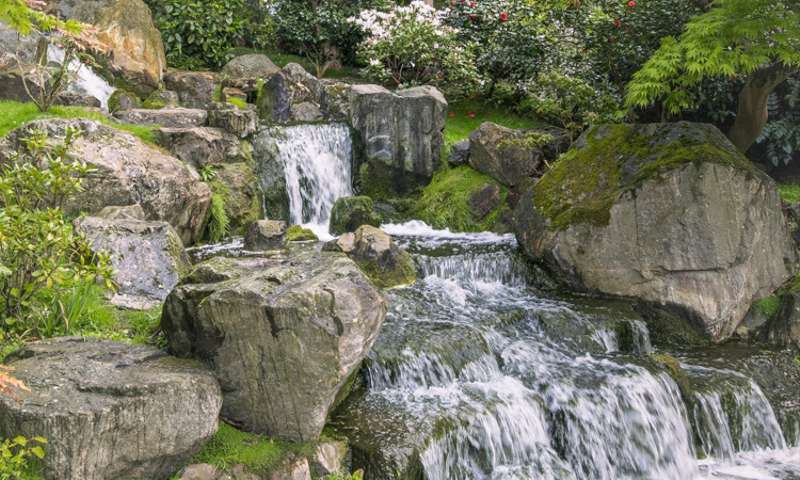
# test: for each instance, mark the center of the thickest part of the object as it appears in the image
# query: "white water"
(86, 82)
(318, 164)
(520, 400)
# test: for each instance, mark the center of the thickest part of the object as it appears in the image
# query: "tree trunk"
(752, 113)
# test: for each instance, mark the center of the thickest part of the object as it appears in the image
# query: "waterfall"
(86, 81)
(317, 162)
(509, 393)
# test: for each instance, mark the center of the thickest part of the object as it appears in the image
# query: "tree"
(758, 40)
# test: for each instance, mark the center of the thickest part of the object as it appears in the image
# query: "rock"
(265, 235)
(231, 93)
(330, 458)
(671, 214)
(335, 102)
(507, 155)
(291, 95)
(238, 121)
(242, 197)
(161, 99)
(244, 72)
(401, 133)
(128, 172)
(309, 316)
(201, 146)
(128, 212)
(378, 256)
(123, 100)
(459, 153)
(485, 200)
(296, 233)
(194, 89)
(165, 117)
(201, 471)
(126, 27)
(349, 213)
(70, 99)
(783, 329)
(110, 410)
(148, 258)
(294, 470)
(271, 174)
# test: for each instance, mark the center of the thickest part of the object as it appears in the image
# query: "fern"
(781, 136)
(218, 224)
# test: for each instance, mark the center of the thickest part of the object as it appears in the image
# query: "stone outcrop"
(245, 71)
(459, 153)
(265, 235)
(242, 196)
(271, 174)
(282, 333)
(507, 155)
(136, 52)
(164, 117)
(292, 96)
(194, 89)
(110, 410)
(241, 122)
(201, 146)
(127, 172)
(148, 257)
(349, 213)
(671, 214)
(401, 133)
(378, 256)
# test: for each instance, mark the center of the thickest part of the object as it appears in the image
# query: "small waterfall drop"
(86, 82)
(318, 165)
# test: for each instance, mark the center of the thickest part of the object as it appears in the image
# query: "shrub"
(412, 46)
(42, 257)
(781, 136)
(18, 457)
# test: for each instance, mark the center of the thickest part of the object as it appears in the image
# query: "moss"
(237, 102)
(444, 203)
(349, 213)
(673, 368)
(585, 182)
(402, 274)
(527, 141)
(768, 307)
(154, 103)
(296, 233)
(466, 116)
(217, 95)
(790, 192)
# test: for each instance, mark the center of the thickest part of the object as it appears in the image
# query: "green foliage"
(790, 192)
(141, 326)
(20, 17)
(41, 257)
(781, 135)
(218, 223)
(735, 37)
(198, 34)
(357, 475)
(444, 203)
(237, 102)
(15, 114)
(768, 306)
(79, 310)
(19, 457)
(296, 233)
(467, 115)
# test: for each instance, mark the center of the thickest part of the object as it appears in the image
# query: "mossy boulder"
(349, 213)
(386, 264)
(296, 233)
(672, 214)
(122, 99)
(463, 199)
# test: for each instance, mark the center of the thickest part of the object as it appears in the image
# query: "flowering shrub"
(412, 45)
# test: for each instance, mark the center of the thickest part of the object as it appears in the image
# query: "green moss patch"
(768, 307)
(466, 116)
(15, 114)
(585, 182)
(444, 203)
(790, 192)
(237, 102)
(296, 233)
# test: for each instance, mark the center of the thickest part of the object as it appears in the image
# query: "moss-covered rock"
(385, 263)
(122, 99)
(349, 213)
(454, 200)
(672, 214)
(296, 233)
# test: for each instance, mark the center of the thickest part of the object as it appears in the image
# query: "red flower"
(472, 4)
(632, 3)
(503, 16)
(471, 115)
(472, 16)
(617, 23)
(451, 114)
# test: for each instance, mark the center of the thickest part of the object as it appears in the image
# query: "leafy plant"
(18, 457)
(781, 136)
(41, 256)
(218, 223)
(357, 475)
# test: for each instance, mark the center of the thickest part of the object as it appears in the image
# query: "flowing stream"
(318, 164)
(86, 81)
(477, 376)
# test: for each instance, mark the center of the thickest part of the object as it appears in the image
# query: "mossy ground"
(584, 183)
(14, 114)
(444, 203)
(768, 307)
(296, 233)
(466, 116)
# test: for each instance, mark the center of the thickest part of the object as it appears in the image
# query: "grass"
(790, 192)
(14, 114)
(466, 116)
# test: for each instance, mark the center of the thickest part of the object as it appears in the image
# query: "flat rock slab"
(110, 411)
(165, 117)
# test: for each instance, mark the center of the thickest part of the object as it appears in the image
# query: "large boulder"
(283, 334)
(292, 95)
(148, 257)
(241, 122)
(349, 213)
(242, 197)
(672, 214)
(110, 410)
(201, 146)
(194, 89)
(374, 250)
(401, 133)
(127, 172)
(265, 235)
(126, 27)
(271, 173)
(245, 71)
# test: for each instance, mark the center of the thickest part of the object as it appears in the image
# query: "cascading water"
(492, 381)
(317, 161)
(86, 81)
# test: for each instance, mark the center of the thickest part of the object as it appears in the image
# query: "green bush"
(42, 259)
(198, 34)
(18, 458)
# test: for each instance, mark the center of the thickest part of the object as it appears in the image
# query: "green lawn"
(466, 116)
(14, 114)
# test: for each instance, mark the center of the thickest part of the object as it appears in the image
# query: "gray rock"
(244, 72)
(378, 256)
(271, 173)
(485, 200)
(401, 132)
(329, 458)
(148, 258)
(201, 146)
(194, 89)
(507, 155)
(242, 198)
(123, 100)
(335, 102)
(672, 214)
(110, 410)
(349, 213)
(162, 99)
(294, 470)
(128, 212)
(164, 117)
(783, 329)
(282, 333)
(459, 153)
(238, 121)
(128, 172)
(265, 235)
(201, 471)
(285, 91)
